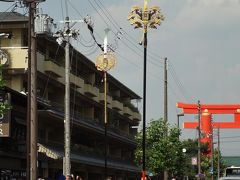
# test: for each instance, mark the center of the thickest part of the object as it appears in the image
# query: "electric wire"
(179, 83)
(116, 26)
(229, 137)
(12, 7)
(49, 75)
(137, 53)
(98, 13)
(89, 46)
(86, 41)
(133, 44)
(76, 10)
(66, 7)
(62, 9)
(121, 30)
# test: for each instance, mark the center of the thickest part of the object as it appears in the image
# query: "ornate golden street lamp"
(105, 62)
(145, 18)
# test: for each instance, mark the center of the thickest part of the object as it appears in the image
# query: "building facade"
(87, 111)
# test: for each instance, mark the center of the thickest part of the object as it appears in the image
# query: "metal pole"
(67, 163)
(199, 137)
(105, 123)
(165, 92)
(165, 106)
(212, 153)
(218, 153)
(144, 103)
(178, 121)
(178, 124)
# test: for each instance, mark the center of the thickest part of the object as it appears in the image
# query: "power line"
(178, 82)
(102, 11)
(119, 28)
(230, 137)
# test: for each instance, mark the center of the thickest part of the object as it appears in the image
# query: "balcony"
(50, 67)
(91, 90)
(117, 105)
(109, 99)
(77, 81)
(127, 111)
(136, 116)
(18, 60)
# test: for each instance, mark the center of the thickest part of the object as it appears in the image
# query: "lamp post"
(178, 124)
(178, 115)
(105, 62)
(145, 18)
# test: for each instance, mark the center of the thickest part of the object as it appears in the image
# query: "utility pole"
(165, 105)
(32, 118)
(65, 36)
(165, 92)
(67, 138)
(212, 153)
(199, 137)
(218, 153)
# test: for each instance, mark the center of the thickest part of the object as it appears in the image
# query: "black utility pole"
(32, 125)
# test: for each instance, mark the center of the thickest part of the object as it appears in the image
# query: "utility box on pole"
(44, 24)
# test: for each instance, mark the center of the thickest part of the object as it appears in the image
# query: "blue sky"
(201, 39)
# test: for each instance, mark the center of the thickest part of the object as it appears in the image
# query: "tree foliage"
(191, 151)
(4, 106)
(206, 165)
(163, 148)
(164, 151)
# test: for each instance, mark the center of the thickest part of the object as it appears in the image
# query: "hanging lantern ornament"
(105, 62)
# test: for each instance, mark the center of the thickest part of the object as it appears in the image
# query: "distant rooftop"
(12, 17)
(231, 160)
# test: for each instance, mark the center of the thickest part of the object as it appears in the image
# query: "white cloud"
(204, 13)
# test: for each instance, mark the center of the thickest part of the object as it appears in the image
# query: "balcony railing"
(18, 58)
(117, 105)
(127, 111)
(109, 99)
(91, 90)
(76, 81)
(54, 69)
(136, 116)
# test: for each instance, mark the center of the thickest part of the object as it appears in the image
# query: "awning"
(48, 152)
(57, 153)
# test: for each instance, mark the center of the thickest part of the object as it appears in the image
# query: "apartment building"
(87, 110)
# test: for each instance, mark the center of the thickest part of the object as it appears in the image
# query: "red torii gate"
(206, 111)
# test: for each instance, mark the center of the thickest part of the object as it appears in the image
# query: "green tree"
(163, 149)
(206, 164)
(191, 151)
(4, 106)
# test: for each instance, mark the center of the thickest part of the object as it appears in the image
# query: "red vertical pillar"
(206, 130)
